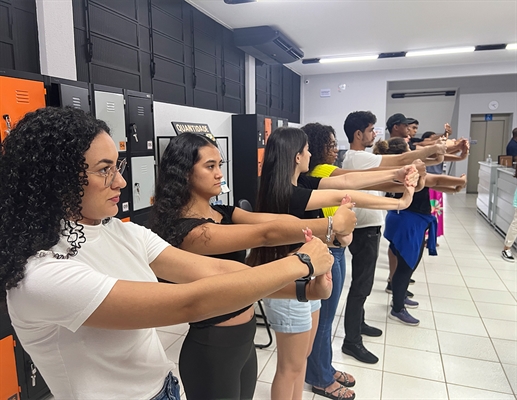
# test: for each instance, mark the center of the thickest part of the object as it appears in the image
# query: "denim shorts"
(290, 316)
(170, 389)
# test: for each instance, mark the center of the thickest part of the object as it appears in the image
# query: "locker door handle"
(7, 119)
(133, 129)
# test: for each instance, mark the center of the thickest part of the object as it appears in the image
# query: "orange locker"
(9, 389)
(18, 97)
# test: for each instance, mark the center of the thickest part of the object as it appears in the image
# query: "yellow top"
(324, 171)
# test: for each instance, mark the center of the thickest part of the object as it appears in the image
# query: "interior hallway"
(466, 344)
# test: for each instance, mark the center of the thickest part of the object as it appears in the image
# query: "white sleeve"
(365, 160)
(61, 292)
(153, 244)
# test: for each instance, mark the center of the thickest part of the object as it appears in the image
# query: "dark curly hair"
(42, 170)
(396, 145)
(173, 190)
(275, 188)
(320, 138)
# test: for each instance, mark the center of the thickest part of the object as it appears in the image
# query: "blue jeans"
(170, 389)
(320, 372)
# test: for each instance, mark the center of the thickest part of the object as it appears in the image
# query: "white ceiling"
(355, 27)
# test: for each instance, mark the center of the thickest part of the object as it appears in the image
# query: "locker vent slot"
(22, 96)
(140, 111)
(143, 169)
(110, 106)
(76, 102)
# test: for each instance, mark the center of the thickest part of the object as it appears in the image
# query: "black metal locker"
(63, 93)
(140, 131)
(249, 136)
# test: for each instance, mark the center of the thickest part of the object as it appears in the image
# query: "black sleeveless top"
(421, 203)
(191, 223)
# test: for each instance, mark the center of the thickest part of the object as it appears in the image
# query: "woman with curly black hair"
(82, 288)
(320, 372)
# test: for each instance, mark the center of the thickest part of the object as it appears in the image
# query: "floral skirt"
(437, 209)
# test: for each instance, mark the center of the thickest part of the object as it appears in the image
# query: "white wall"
(478, 104)
(367, 91)
(431, 112)
(220, 124)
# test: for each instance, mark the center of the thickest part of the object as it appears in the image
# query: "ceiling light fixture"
(449, 50)
(345, 59)
(398, 54)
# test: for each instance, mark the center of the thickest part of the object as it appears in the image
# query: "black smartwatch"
(301, 294)
(304, 258)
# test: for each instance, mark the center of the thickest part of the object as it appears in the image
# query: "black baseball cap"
(396, 119)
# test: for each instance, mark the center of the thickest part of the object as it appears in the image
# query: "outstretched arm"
(364, 179)
(138, 305)
(446, 183)
(248, 232)
(328, 198)
(410, 156)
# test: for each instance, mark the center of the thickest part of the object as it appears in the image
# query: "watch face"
(304, 257)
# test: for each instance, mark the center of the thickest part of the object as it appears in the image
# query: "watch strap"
(301, 285)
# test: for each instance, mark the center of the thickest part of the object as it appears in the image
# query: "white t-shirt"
(54, 299)
(360, 159)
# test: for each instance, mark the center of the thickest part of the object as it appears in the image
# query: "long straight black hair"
(275, 188)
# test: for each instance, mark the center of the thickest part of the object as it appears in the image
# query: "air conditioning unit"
(267, 45)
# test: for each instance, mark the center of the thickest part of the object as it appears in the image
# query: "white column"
(56, 38)
(249, 71)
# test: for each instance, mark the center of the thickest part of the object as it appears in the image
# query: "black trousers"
(365, 250)
(401, 277)
(219, 362)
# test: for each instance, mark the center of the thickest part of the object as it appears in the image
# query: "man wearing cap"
(360, 131)
(397, 126)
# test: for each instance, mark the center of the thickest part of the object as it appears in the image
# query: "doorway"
(486, 138)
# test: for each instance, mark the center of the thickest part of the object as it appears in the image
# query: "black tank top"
(191, 223)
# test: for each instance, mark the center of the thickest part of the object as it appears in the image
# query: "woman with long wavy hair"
(82, 288)
(218, 358)
(284, 189)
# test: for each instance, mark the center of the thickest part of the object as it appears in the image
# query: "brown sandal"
(333, 395)
(344, 379)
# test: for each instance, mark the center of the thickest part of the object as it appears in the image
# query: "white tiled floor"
(466, 344)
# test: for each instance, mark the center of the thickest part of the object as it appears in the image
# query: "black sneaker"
(388, 288)
(390, 291)
(370, 330)
(359, 352)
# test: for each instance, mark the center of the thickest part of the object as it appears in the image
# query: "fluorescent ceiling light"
(511, 46)
(451, 50)
(345, 59)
